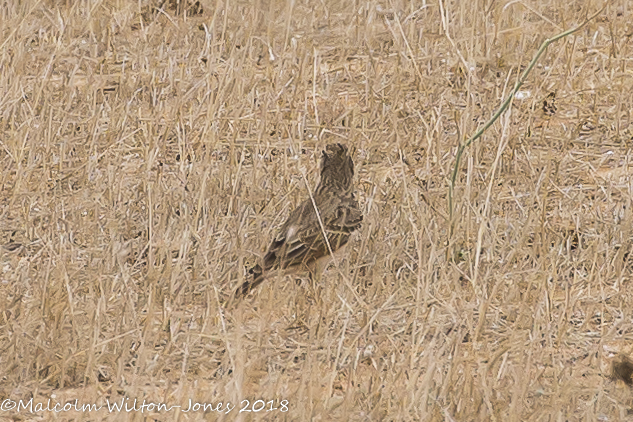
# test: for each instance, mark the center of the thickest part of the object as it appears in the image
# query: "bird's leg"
(304, 300)
(316, 277)
(299, 321)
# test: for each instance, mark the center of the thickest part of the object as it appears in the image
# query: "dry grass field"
(149, 151)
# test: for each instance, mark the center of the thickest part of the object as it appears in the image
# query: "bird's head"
(337, 168)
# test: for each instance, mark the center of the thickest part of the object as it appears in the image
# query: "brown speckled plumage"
(300, 241)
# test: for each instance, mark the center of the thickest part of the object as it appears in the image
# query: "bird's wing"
(300, 239)
(286, 239)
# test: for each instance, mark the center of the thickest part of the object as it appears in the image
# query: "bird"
(332, 209)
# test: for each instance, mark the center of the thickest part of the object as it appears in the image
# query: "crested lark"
(300, 241)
